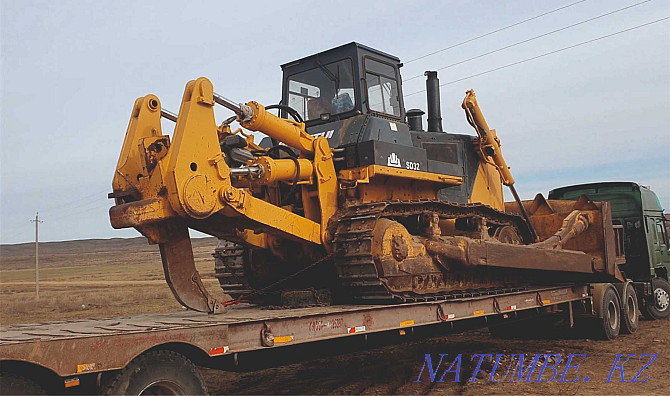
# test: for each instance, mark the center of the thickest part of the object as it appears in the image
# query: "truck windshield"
(322, 91)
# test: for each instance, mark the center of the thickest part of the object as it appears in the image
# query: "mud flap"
(180, 272)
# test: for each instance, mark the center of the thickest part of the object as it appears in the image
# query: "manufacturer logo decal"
(394, 161)
(327, 134)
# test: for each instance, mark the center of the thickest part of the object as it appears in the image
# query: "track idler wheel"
(507, 234)
(402, 261)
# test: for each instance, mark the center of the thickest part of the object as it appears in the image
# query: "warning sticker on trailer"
(82, 368)
(219, 350)
(283, 339)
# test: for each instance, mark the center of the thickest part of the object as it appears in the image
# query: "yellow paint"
(364, 174)
(488, 142)
(278, 218)
(546, 302)
(479, 312)
(488, 188)
(377, 183)
(144, 123)
(193, 181)
(406, 323)
(81, 368)
(326, 181)
(289, 132)
(283, 170)
(283, 339)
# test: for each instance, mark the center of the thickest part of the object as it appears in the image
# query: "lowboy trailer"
(158, 353)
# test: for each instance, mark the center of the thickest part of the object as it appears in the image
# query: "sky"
(71, 70)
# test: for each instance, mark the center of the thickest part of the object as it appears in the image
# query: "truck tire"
(657, 306)
(14, 384)
(629, 310)
(608, 327)
(157, 373)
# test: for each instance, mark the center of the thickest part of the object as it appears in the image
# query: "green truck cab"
(638, 211)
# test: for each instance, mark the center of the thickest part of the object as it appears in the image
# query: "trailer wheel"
(657, 306)
(14, 384)
(157, 373)
(629, 317)
(609, 325)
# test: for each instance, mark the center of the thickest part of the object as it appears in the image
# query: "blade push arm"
(489, 144)
(489, 149)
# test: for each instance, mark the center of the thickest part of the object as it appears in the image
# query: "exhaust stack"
(433, 98)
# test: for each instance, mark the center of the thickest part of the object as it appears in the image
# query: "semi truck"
(349, 219)
(638, 212)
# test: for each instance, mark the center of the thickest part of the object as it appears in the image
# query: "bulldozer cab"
(342, 82)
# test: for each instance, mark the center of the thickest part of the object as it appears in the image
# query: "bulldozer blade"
(180, 272)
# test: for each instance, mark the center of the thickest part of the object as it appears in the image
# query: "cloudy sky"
(71, 71)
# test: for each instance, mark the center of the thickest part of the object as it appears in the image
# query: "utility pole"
(37, 222)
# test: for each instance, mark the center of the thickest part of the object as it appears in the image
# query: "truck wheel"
(157, 373)
(609, 325)
(629, 317)
(657, 306)
(14, 384)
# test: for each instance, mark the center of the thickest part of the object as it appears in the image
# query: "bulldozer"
(346, 197)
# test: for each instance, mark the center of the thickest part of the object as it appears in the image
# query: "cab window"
(660, 230)
(323, 91)
(382, 87)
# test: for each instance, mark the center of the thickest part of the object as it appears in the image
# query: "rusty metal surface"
(598, 240)
(365, 279)
(75, 347)
(377, 261)
(180, 272)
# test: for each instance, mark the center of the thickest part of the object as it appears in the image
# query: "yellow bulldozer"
(346, 197)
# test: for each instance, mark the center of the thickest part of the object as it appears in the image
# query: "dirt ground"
(92, 278)
(122, 278)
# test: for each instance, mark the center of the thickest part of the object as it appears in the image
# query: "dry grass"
(91, 252)
(67, 290)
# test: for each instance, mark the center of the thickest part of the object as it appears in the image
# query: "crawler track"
(229, 269)
(353, 244)
(358, 275)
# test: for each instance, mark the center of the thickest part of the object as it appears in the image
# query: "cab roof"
(350, 48)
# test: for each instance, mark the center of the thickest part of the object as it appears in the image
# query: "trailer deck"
(71, 348)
